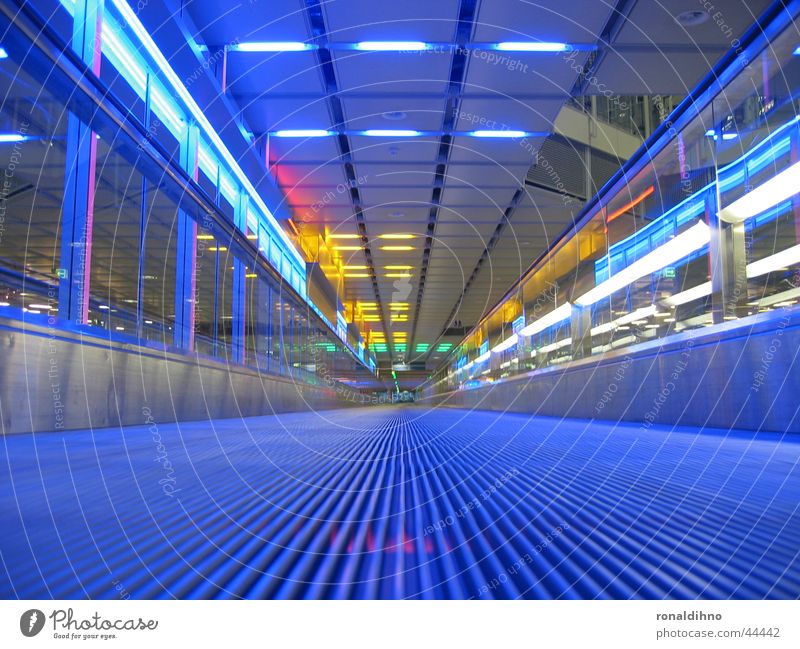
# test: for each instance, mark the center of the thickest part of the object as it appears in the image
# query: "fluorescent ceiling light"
(3, 53)
(347, 248)
(778, 261)
(356, 268)
(768, 194)
(401, 267)
(639, 314)
(344, 236)
(554, 317)
(396, 236)
(356, 275)
(508, 342)
(397, 248)
(511, 46)
(392, 46)
(394, 275)
(388, 132)
(12, 137)
(553, 347)
(675, 249)
(311, 132)
(689, 295)
(271, 46)
(506, 134)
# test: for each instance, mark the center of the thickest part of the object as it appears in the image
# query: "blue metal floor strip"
(401, 503)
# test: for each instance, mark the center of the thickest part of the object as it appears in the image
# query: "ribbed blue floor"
(393, 502)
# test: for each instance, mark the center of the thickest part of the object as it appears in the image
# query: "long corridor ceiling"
(475, 222)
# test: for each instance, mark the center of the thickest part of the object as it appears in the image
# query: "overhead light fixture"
(344, 236)
(398, 275)
(356, 275)
(554, 317)
(689, 295)
(347, 248)
(499, 134)
(251, 275)
(397, 248)
(355, 267)
(778, 261)
(271, 46)
(675, 249)
(398, 307)
(390, 132)
(639, 314)
(391, 46)
(400, 267)
(396, 236)
(768, 194)
(506, 344)
(511, 46)
(12, 137)
(308, 132)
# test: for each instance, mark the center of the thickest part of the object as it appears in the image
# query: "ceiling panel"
(387, 149)
(653, 23)
(393, 72)
(376, 111)
(273, 113)
(417, 20)
(251, 73)
(544, 20)
(277, 20)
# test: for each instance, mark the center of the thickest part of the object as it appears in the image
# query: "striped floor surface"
(399, 502)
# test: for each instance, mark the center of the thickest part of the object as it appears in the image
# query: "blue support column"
(238, 308)
(81, 155)
(186, 266)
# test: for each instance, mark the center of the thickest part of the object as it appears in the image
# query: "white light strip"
(384, 132)
(779, 260)
(144, 37)
(508, 342)
(392, 46)
(265, 46)
(768, 194)
(501, 134)
(554, 317)
(483, 357)
(532, 47)
(689, 295)
(675, 249)
(639, 314)
(553, 347)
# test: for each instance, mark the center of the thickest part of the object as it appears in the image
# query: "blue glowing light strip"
(130, 64)
(225, 155)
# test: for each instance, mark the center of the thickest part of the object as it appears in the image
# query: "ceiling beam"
(316, 20)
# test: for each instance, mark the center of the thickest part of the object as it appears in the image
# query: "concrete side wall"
(743, 374)
(54, 382)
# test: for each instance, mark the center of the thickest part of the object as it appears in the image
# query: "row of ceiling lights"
(406, 46)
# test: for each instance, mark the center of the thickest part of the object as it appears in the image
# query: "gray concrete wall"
(52, 380)
(741, 374)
